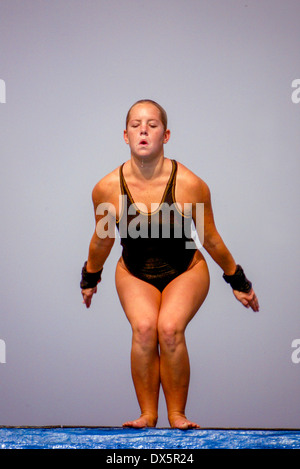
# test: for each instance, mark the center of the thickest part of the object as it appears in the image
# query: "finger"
(245, 302)
(86, 300)
(254, 303)
(251, 300)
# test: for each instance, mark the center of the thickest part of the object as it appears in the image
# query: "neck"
(147, 167)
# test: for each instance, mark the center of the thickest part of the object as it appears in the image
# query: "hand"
(247, 299)
(87, 295)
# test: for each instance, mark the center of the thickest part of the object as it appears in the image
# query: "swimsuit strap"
(168, 196)
(122, 181)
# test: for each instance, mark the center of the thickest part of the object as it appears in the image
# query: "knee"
(145, 333)
(170, 335)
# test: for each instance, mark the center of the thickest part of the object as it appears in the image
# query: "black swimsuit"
(157, 246)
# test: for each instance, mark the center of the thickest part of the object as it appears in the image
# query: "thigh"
(184, 295)
(140, 300)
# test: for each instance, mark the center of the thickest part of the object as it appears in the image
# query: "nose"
(143, 130)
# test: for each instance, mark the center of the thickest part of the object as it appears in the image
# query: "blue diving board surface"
(148, 438)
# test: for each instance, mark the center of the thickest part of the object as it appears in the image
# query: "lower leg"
(146, 379)
(175, 376)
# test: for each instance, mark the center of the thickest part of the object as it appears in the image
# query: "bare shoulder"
(108, 188)
(191, 186)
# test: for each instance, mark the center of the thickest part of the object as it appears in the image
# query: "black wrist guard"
(238, 280)
(88, 279)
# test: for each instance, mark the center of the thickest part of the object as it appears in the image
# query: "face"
(145, 133)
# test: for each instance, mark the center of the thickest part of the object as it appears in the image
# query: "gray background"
(223, 70)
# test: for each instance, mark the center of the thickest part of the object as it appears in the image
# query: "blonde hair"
(163, 114)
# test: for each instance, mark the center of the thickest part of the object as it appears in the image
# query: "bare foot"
(142, 422)
(182, 423)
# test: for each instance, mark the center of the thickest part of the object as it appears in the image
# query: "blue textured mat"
(125, 438)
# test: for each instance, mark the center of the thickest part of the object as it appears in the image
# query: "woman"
(161, 280)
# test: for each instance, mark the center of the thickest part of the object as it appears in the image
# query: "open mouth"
(143, 142)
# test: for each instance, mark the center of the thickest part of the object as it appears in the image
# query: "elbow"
(211, 243)
(106, 242)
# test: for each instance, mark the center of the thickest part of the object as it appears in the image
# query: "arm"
(215, 246)
(213, 243)
(99, 248)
